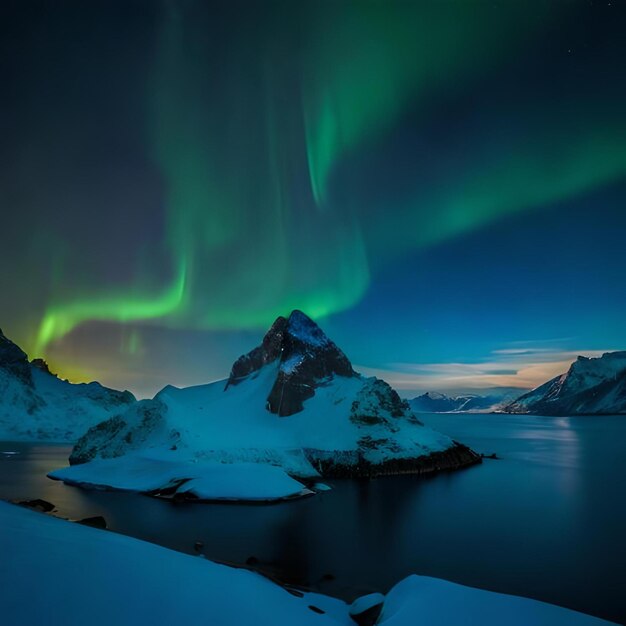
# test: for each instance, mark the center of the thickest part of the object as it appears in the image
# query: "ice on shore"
(57, 573)
(205, 480)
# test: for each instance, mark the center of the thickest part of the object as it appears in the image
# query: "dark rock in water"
(489, 456)
(307, 359)
(252, 560)
(457, 457)
(316, 609)
(366, 610)
(95, 522)
(39, 505)
(294, 592)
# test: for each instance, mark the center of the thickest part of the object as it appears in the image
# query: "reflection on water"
(546, 521)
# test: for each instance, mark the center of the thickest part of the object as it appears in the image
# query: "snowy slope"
(433, 602)
(590, 386)
(57, 573)
(36, 405)
(293, 402)
(54, 572)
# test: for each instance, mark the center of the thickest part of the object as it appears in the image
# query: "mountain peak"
(590, 386)
(300, 326)
(306, 358)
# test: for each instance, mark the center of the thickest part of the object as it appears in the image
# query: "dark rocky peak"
(270, 349)
(307, 358)
(296, 341)
(303, 330)
(42, 365)
(9, 352)
(14, 360)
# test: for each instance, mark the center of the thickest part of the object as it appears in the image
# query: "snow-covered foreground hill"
(58, 573)
(590, 386)
(36, 405)
(293, 402)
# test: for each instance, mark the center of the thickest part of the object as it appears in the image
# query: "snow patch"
(204, 480)
(68, 574)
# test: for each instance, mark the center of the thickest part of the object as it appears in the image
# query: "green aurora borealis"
(287, 151)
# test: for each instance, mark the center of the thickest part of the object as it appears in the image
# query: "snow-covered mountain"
(590, 386)
(36, 405)
(433, 402)
(294, 402)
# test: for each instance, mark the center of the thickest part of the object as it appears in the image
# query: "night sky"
(441, 184)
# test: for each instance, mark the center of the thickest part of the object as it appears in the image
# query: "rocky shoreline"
(457, 457)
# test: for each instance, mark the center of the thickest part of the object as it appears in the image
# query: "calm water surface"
(546, 521)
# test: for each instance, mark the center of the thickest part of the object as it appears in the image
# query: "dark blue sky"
(441, 185)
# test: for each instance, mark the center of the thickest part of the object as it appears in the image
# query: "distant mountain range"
(590, 387)
(36, 405)
(434, 402)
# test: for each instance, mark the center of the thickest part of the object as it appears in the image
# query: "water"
(546, 521)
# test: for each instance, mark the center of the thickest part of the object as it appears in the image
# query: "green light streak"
(369, 61)
(60, 320)
(508, 177)
(238, 135)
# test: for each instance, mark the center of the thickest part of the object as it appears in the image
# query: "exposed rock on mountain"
(36, 405)
(294, 402)
(307, 359)
(590, 387)
(433, 402)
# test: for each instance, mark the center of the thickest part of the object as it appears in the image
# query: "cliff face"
(456, 457)
(306, 357)
(14, 362)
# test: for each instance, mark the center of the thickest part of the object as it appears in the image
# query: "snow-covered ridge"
(434, 402)
(36, 405)
(590, 386)
(293, 402)
(48, 557)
